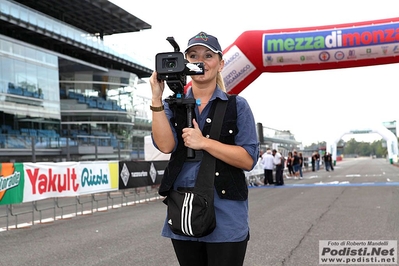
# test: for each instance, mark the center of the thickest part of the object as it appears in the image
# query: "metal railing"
(23, 215)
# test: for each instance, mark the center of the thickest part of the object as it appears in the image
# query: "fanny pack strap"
(206, 173)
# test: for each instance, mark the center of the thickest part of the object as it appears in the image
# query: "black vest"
(229, 181)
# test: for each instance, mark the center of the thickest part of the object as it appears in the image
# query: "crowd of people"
(274, 164)
(271, 161)
(326, 159)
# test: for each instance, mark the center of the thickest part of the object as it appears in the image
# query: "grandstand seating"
(14, 142)
(93, 102)
(22, 139)
(17, 90)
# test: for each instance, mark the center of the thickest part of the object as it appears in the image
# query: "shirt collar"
(218, 93)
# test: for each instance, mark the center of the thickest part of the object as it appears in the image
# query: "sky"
(314, 105)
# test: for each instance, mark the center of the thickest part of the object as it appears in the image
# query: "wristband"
(157, 109)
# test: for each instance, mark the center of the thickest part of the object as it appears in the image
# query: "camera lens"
(170, 63)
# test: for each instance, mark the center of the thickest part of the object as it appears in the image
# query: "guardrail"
(16, 216)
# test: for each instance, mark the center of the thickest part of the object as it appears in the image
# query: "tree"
(350, 147)
(353, 147)
(365, 148)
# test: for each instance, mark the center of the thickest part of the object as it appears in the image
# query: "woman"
(226, 245)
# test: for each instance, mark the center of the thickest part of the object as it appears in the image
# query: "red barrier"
(306, 49)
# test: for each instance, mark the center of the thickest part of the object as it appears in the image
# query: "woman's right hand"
(161, 129)
(157, 86)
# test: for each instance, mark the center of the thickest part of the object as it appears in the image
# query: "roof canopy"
(96, 17)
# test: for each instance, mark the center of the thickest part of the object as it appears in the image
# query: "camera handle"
(190, 111)
(172, 41)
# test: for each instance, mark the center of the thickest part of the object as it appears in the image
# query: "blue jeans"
(327, 166)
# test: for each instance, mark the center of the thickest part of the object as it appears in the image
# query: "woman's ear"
(221, 65)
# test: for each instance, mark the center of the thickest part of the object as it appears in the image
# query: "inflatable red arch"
(312, 48)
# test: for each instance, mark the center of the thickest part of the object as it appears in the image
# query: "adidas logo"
(170, 221)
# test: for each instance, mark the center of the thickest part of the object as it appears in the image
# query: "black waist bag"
(191, 212)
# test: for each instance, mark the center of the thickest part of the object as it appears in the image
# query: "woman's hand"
(161, 130)
(231, 154)
(157, 87)
(193, 137)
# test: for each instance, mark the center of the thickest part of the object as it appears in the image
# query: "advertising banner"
(345, 44)
(358, 44)
(97, 177)
(11, 183)
(139, 174)
(47, 180)
(26, 182)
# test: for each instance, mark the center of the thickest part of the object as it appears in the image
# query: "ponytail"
(220, 82)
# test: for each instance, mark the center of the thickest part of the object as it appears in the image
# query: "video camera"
(174, 68)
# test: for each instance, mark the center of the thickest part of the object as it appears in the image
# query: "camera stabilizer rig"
(173, 68)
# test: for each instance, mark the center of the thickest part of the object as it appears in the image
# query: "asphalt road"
(358, 201)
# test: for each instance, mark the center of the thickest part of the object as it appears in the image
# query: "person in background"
(283, 161)
(278, 162)
(295, 164)
(289, 165)
(236, 151)
(331, 161)
(326, 160)
(317, 161)
(314, 158)
(300, 165)
(268, 166)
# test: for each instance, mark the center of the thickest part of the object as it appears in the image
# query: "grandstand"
(65, 94)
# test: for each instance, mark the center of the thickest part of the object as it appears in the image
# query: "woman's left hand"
(193, 137)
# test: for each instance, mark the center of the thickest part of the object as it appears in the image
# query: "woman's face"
(212, 62)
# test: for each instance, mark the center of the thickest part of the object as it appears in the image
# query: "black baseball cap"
(206, 40)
